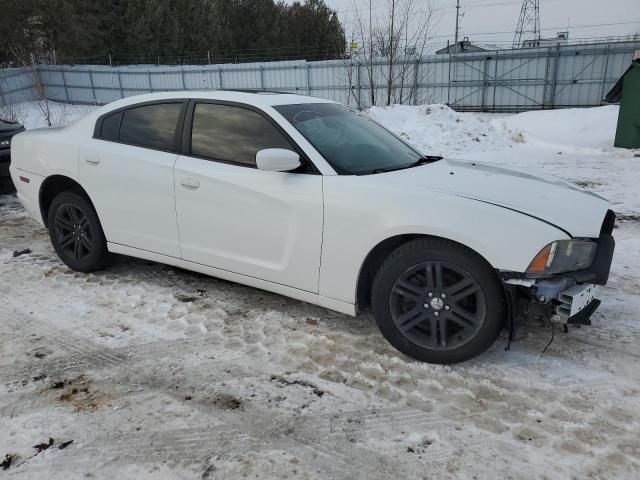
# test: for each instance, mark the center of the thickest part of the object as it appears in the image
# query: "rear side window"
(152, 126)
(232, 134)
(110, 126)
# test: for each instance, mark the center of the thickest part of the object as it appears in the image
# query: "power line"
(544, 29)
(495, 4)
(446, 5)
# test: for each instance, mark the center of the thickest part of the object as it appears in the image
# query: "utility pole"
(457, 22)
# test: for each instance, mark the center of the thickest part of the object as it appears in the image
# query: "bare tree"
(12, 112)
(367, 46)
(404, 40)
(351, 69)
(394, 46)
(32, 52)
(29, 60)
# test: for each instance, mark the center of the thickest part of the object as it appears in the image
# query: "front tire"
(76, 233)
(437, 301)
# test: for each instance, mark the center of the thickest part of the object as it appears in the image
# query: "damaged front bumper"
(568, 298)
(571, 306)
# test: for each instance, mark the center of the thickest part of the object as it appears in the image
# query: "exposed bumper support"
(573, 302)
(583, 317)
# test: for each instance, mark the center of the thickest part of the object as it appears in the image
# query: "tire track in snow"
(196, 443)
(85, 356)
(331, 454)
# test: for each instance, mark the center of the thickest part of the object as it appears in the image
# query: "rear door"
(127, 168)
(234, 217)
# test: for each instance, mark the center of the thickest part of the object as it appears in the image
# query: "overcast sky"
(482, 18)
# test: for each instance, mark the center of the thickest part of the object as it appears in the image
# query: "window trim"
(98, 131)
(185, 148)
(179, 125)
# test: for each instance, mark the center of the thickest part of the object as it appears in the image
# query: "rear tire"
(437, 301)
(76, 233)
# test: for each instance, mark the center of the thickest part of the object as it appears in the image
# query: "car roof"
(259, 98)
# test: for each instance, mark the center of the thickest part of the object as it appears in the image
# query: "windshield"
(350, 141)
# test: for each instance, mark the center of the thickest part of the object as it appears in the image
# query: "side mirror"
(277, 160)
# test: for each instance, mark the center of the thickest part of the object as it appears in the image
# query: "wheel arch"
(381, 251)
(51, 187)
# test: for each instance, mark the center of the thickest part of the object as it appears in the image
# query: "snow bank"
(32, 114)
(437, 129)
(570, 129)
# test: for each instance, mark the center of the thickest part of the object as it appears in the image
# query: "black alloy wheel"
(437, 305)
(438, 301)
(76, 233)
(73, 232)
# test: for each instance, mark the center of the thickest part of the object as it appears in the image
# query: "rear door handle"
(189, 183)
(93, 159)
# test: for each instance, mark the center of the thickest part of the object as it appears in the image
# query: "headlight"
(5, 143)
(563, 256)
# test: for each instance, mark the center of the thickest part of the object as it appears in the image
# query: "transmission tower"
(528, 24)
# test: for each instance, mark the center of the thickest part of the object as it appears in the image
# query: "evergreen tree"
(145, 30)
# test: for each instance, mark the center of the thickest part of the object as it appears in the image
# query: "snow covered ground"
(155, 372)
(32, 114)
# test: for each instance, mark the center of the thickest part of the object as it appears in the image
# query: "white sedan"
(313, 200)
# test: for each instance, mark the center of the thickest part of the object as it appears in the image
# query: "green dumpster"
(628, 130)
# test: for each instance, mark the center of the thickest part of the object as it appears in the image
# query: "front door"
(234, 217)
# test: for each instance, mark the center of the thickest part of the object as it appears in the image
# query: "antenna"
(528, 24)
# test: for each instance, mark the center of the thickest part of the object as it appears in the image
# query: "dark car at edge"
(7, 130)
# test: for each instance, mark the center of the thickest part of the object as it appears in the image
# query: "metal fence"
(493, 81)
(16, 85)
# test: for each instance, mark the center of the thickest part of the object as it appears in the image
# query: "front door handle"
(189, 183)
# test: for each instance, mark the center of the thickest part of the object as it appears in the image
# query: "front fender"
(355, 222)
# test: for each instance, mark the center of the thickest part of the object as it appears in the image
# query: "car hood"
(563, 204)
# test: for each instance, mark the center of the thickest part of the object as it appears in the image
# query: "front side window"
(232, 134)
(350, 141)
(152, 126)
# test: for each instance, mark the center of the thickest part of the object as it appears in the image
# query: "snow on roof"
(488, 46)
(468, 46)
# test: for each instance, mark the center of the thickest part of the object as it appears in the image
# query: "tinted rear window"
(152, 126)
